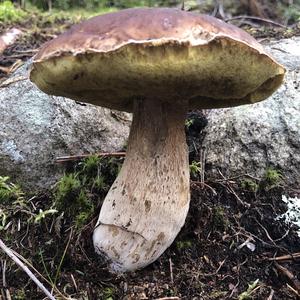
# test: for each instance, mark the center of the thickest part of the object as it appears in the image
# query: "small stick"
(203, 154)
(20, 55)
(285, 257)
(256, 19)
(293, 290)
(25, 269)
(294, 280)
(12, 80)
(171, 271)
(233, 192)
(271, 295)
(266, 232)
(204, 184)
(27, 51)
(62, 159)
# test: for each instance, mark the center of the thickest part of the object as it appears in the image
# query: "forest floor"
(233, 245)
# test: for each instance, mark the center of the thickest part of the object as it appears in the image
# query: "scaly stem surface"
(147, 204)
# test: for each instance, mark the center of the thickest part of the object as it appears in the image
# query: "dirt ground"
(232, 239)
(233, 246)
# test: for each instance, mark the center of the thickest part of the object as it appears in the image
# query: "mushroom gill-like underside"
(156, 63)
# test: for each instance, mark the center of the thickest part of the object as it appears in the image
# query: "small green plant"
(272, 178)
(99, 183)
(43, 213)
(189, 122)
(249, 185)
(182, 245)
(250, 290)
(114, 166)
(71, 198)
(19, 295)
(86, 209)
(108, 293)
(195, 169)
(68, 188)
(76, 191)
(9, 192)
(90, 166)
(9, 13)
(219, 218)
(3, 219)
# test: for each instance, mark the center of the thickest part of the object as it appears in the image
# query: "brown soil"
(209, 259)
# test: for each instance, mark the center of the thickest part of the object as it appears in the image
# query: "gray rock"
(251, 138)
(36, 128)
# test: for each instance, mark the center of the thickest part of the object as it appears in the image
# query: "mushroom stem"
(147, 204)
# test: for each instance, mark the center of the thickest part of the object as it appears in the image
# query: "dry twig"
(63, 159)
(228, 186)
(12, 80)
(171, 271)
(270, 297)
(293, 290)
(9, 252)
(286, 257)
(287, 273)
(256, 19)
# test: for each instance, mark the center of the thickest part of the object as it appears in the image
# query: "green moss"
(90, 166)
(182, 245)
(78, 191)
(219, 218)
(19, 295)
(3, 219)
(195, 169)
(273, 177)
(99, 183)
(71, 198)
(16, 209)
(86, 209)
(249, 185)
(114, 166)
(9, 192)
(250, 290)
(108, 293)
(68, 188)
(188, 123)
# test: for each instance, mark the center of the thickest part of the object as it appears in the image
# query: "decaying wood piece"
(8, 38)
(148, 202)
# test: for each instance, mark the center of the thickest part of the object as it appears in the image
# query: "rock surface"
(251, 138)
(36, 128)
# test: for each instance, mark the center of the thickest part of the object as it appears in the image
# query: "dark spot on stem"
(147, 205)
(129, 223)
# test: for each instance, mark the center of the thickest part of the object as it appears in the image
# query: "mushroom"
(157, 63)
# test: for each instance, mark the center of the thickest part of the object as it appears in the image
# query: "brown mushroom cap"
(164, 53)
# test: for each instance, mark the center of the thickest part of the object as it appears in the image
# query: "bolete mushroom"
(157, 63)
